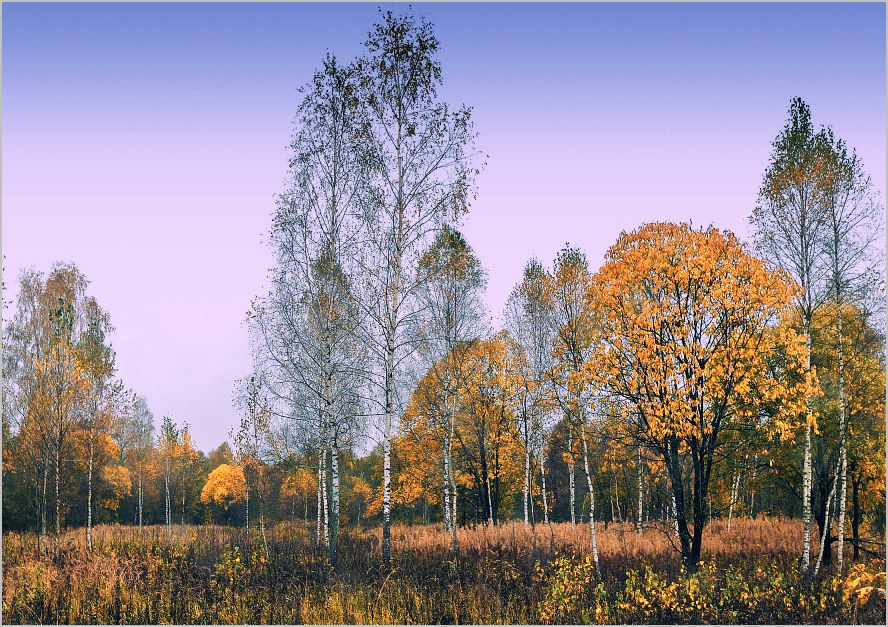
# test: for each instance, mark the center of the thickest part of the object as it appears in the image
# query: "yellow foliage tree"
(225, 487)
(686, 337)
(302, 484)
(116, 485)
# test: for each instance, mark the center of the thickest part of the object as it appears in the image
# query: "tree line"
(691, 377)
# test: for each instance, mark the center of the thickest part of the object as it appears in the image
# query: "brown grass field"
(503, 574)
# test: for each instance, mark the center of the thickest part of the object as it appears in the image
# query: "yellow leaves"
(225, 486)
(300, 484)
(117, 484)
(860, 585)
(684, 322)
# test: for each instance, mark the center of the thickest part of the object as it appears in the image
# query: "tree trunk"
(334, 503)
(89, 493)
(806, 481)
(824, 539)
(446, 504)
(855, 516)
(324, 498)
(593, 538)
(526, 473)
(320, 479)
(43, 508)
(58, 496)
(843, 446)
(387, 447)
(735, 488)
(140, 494)
(262, 525)
(543, 486)
(570, 478)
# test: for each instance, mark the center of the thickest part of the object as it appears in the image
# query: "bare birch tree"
(790, 221)
(421, 157)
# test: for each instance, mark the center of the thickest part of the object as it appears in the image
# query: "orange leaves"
(684, 333)
(225, 486)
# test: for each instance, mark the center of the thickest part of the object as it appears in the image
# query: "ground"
(503, 574)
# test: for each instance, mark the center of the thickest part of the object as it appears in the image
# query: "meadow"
(503, 574)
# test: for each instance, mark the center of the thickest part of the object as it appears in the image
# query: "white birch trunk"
(570, 478)
(843, 446)
(735, 488)
(806, 472)
(89, 493)
(591, 500)
(334, 502)
(543, 486)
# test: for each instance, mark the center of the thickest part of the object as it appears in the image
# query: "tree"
(790, 223)
(250, 443)
(421, 176)
(528, 320)
(854, 222)
(299, 485)
(99, 364)
(451, 280)
(45, 384)
(306, 328)
(116, 484)
(168, 440)
(141, 426)
(225, 487)
(686, 339)
(572, 332)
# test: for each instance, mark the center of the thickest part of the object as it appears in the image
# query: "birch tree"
(306, 328)
(790, 222)
(572, 348)
(167, 441)
(99, 364)
(451, 281)
(528, 320)
(421, 155)
(854, 226)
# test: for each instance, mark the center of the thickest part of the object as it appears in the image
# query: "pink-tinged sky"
(146, 142)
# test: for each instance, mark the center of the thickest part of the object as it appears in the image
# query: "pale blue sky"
(146, 142)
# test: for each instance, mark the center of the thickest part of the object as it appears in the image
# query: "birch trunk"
(825, 535)
(570, 478)
(387, 447)
(89, 494)
(806, 484)
(446, 506)
(334, 503)
(843, 446)
(526, 473)
(43, 508)
(324, 499)
(735, 488)
(140, 493)
(320, 479)
(58, 497)
(543, 486)
(591, 500)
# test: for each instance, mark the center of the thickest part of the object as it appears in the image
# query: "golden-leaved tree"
(225, 487)
(686, 339)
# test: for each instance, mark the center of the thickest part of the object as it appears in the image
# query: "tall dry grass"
(504, 574)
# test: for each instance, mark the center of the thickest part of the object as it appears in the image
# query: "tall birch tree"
(421, 155)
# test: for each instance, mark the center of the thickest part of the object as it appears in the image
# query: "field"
(504, 574)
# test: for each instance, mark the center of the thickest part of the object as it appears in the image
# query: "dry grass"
(504, 574)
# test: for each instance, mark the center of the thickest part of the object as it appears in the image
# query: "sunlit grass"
(503, 574)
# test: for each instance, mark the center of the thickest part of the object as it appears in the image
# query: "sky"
(146, 142)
